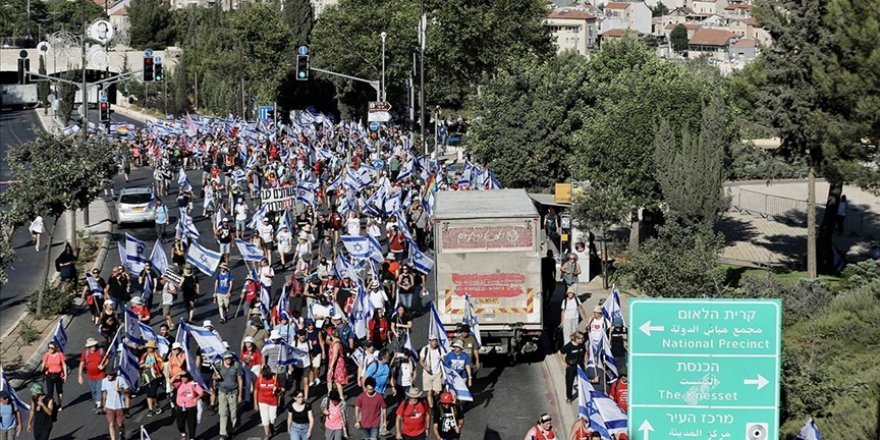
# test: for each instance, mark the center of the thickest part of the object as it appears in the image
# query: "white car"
(133, 206)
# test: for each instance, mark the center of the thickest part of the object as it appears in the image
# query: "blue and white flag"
(286, 221)
(611, 306)
(470, 318)
(249, 251)
(408, 348)
(60, 336)
(406, 171)
(290, 355)
(238, 175)
(163, 346)
(600, 358)
(206, 260)
(133, 333)
(457, 384)
(375, 250)
(283, 306)
(358, 247)
(135, 254)
(810, 431)
(258, 217)
(435, 329)
(305, 196)
(94, 286)
(148, 288)
(158, 258)
(341, 266)
(265, 303)
(210, 343)
(183, 181)
(420, 260)
(128, 367)
(603, 415)
(218, 216)
(361, 312)
(186, 227)
(20, 405)
(182, 338)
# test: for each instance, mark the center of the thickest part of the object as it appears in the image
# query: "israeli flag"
(60, 336)
(611, 306)
(204, 259)
(183, 339)
(598, 409)
(470, 318)
(341, 266)
(810, 431)
(265, 303)
(186, 227)
(420, 260)
(358, 247)
(135, 254)
(435, 329)
(404, 229)
(375, 250)
(283, 306)
(392, 204)
(20, 405)
(148, 288)
(335, 184)
(457, 384)
(128, 367)
(408, 348)
(210, 343)
(158, 258)
(239, 175)
(286, 221)
(306, 196)
(94, 287)
(287, 354)
(249, 251)
(133, 333)
(218, 216)
(600, 358)
(183, 181)
(407, 171)
(258, 217)
(361, 312)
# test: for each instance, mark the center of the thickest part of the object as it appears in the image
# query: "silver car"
(133, 206)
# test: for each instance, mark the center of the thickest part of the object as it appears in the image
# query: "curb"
(133, 114)
(556, 381)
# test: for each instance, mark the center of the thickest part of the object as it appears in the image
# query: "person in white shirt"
(571, 312)
(115, 395)
(267, 234)
(169, 291)
(353, 224)
(37, 228)
(430, 359)
(266, 274)
(285, 243)
(598, 327)
(378, 298)
(241, 215)
(374, 228)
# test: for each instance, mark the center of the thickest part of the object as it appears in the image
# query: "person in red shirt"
(55, 372)
(620, 391)
(369, 411)
(267, 388)
(378, 328)
(412, 416)
(142, 311)
(543, 430)
(396, 243)
(92, 362)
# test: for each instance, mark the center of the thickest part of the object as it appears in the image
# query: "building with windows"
(573, 29)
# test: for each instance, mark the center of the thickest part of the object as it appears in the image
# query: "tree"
(633, 90)
(54, 175)
(599, 208)
(659, 10)
(679, 38)
(689, 169)
(68, 16)
(151, 24)
(7, 254)
(821, 95)
(525, 118)
(265, 48)
(67, 94)
(299, 16)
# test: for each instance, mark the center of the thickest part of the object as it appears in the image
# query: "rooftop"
(711, 37)
(502, 203)
(615, 33)
(745, 43)
(616, 5)
(571, 15)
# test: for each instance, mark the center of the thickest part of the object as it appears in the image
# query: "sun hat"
(228, 355)
(177, 346)
(137, 300)
(597, 309)
(150, 344)
(91, 342)
(207, 323)
(414, 393)
(37, 389)
(458, 344)
(249, 339)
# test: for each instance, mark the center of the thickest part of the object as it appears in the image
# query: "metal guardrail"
(794, 212)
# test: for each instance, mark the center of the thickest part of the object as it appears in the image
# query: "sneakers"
(99, 411)
(157, 411)
(149, 413)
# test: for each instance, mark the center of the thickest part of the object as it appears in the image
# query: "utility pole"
(241, 88)
(812, 267)
(197, 90)
(423, 35)
(384, 94)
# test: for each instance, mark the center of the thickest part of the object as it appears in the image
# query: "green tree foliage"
(599, 208)
(681, 262)
(151, 24)
(265, 48)
(689, 169)
(55, 174)
(526, 117)
(67, 94)
(679, 38)
(821, 91)
(634, 91)
(659, 10)
(14, 17)
(299, 16)
(68, 16)
(7, 254)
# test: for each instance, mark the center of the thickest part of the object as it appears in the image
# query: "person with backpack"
(448, 418)
(379, 371)
(570, 315)
(413, 417)
(333, 415)
(10, 418)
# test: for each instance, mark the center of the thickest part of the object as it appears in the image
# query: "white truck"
(488, 246)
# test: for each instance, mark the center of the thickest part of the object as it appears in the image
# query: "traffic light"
(148, 69)
(302, 67)
(157, 70)
(24, 66)
(105, 111)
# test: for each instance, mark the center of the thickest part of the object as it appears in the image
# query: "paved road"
(508, 399)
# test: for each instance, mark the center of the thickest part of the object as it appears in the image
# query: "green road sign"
(704, 369)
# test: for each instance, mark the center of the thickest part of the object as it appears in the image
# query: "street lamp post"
(383, 35)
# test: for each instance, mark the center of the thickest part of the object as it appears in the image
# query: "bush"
(800, 301)
(27, 333)
(751, 163)
(681, 262)
(860, 274)
(56, 300)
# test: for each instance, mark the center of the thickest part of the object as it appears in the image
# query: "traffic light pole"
(374, 84)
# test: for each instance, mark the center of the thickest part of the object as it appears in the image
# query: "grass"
(27, 333)
(735, 275)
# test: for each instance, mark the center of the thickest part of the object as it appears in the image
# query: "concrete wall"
(59, 61)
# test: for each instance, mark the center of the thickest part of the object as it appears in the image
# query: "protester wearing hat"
(115, 393)
(448, 418)
(230, 391)
(108, 321)
(459, 361)
(430, 359)
(223, 291)
(570, 270)
(267, 236)
(543, 429)
(257, 333)
(573, 355)
(10, 417)
(92, 361)
(176, 368)
(284, 238)
(140, 309)
(598, 327)
(190, 289)
(55, 372)
(315, 338)
(571, 312)
(151, 367)
(378, 297)
(471, 347)
(42, 413)
(188, 394)
(412, 421)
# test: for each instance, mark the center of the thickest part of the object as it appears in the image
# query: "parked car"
(133, 206)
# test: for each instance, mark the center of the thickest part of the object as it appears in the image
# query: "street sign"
(263, 112)
(379, 106)
(103, 97)
(704, 369)
(148, 53)
(378, 117)
(374, 126)
(302, 50)
(157, 59)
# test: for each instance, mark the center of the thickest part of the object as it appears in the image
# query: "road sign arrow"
(645, 428)
(761, 382)
(647, 328)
